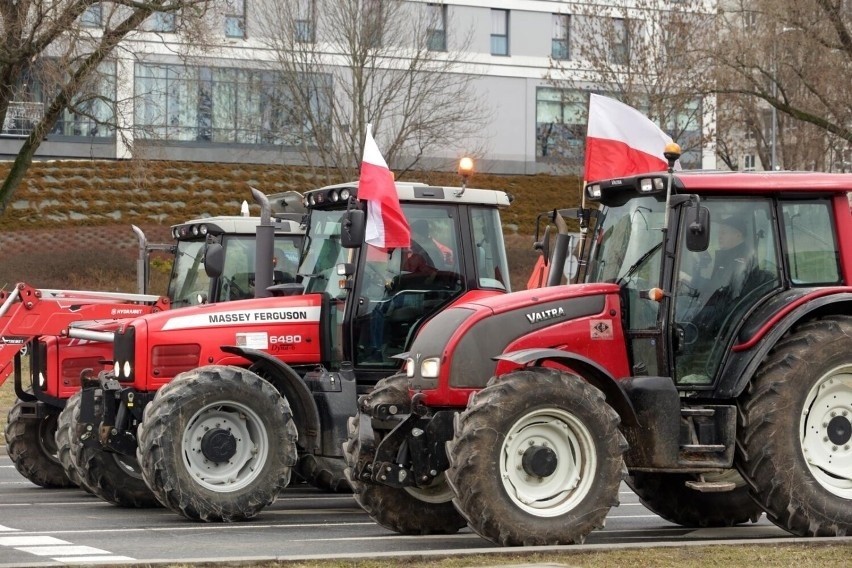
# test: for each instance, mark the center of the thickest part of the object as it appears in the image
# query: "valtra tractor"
(715, 373)
(35, 324)
(219, 403)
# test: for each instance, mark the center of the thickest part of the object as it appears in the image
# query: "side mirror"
(353, 229)
(214, 260)
(544, 245)
(697, 228)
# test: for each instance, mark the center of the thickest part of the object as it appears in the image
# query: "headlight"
(126, 368)
(409, 367)
(430, 367)
(116, 369)
(594, 191)
(41, 381)
(203, 230)
(344, 194)
(333, 195)
(195, 230)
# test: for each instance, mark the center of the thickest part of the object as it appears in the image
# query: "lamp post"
(773, 133)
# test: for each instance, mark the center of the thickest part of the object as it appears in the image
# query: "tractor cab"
(200, 276)
(690, 311)
(380, 297)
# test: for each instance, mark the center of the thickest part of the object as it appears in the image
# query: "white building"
(210, 104)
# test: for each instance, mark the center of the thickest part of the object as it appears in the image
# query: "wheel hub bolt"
(539, 461)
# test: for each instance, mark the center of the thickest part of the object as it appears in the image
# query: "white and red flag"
(621, 141)
(387, 226)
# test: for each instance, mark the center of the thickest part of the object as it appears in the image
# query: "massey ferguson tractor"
(36, 323)
(706, 355)
(208, 409)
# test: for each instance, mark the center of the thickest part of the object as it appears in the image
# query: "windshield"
(323, 253)
(627, 242)
(238, 280)
(188, 276)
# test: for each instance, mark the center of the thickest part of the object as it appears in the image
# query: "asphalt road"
(53, 527)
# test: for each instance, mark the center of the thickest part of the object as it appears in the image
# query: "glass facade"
(560, 123)
(220, 105)
(90, 115)
(559, 45)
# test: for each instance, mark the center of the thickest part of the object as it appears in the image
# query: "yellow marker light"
(465, 166)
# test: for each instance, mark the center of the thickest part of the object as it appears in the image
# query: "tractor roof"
(414, 192)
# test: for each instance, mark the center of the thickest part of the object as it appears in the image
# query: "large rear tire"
(536, 459)
(31, 445)
(667, 495)
(411, 510)
(217, 444)
(796, 440)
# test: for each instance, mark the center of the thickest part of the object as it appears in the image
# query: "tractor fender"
(743, 364)
(291, 386)
(586, 368)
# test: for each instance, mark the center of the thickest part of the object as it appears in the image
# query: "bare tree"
(50, 40)
(394, 64)
(795, 56)
(646, 54)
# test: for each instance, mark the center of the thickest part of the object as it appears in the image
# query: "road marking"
(68, 550)
(60, 550)
(92, 559)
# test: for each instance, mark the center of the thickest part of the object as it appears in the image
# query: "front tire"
(31, 445)
(796, 439)
(410, 510)
(536, 459)
(67, 437)
(217, 444)
(115, 478)
(325, 473)
(667, 495)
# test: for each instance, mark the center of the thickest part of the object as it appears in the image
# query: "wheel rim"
(128, 465)
(826, 431)
(572, 474)
(439, 491)
(243, 428)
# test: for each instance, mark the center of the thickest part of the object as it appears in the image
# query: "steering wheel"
(416, 248)
(233, 286)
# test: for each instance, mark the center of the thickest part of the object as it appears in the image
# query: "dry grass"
(817, 555)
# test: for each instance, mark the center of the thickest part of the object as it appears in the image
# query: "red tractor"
(35, 323)
(715, 374)
(217, 403)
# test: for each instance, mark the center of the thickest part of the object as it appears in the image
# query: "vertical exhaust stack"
(265, 241)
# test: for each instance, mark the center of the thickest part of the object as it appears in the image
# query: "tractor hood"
(462, 341)
(158, 346)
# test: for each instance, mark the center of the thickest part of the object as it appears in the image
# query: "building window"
(92, 17)
(499, 32)
(748, 163)
(561, 36)
(372, 26)
(620, 41)
(222, 106)
(305, 21)
(436, 33)
(749, 19)
(235, 18)
(560, 122)
(162, 22)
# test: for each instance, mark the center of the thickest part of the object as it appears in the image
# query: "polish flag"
(621, 141)
(387, 227)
